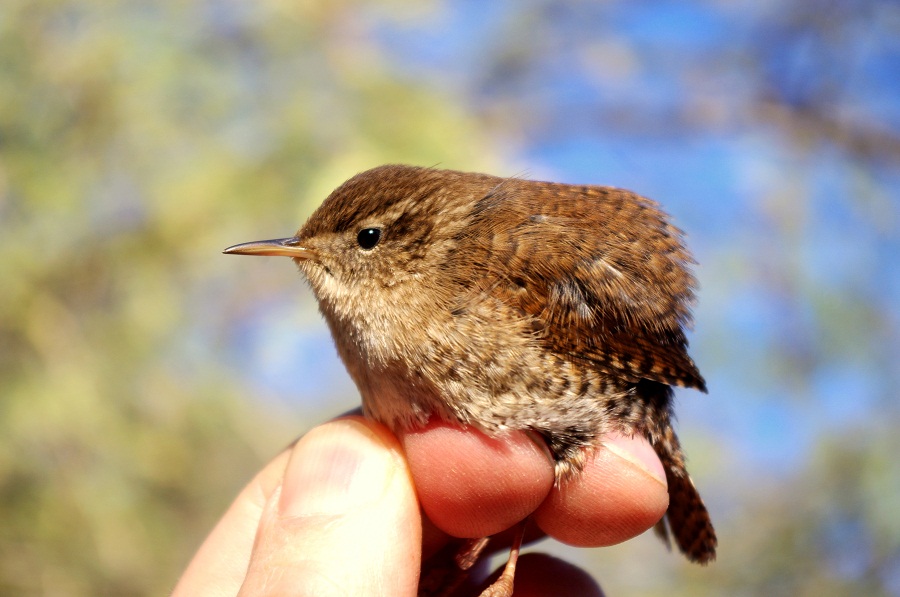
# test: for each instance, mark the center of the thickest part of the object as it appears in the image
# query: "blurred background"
(145, 377)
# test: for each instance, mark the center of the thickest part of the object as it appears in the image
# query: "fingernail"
(538, 440)
(335, 468)
(637, 452)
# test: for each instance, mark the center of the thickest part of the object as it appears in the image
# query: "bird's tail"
(686, 520)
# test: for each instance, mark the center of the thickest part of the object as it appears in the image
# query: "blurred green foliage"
(138, 139)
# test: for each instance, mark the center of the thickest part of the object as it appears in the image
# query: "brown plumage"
(510, 304)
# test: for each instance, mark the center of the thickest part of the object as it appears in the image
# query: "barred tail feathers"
(687, 519)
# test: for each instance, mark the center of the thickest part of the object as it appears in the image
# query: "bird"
(501, 303)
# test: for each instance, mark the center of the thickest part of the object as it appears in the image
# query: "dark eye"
(368, 237)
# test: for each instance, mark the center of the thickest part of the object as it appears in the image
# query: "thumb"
(345, 520)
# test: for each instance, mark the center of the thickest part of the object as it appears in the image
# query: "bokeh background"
(144, 377)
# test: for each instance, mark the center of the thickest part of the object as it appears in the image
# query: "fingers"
(337, 513)
(471, 485)
(540, 575)
(621, 493)
(341, 520)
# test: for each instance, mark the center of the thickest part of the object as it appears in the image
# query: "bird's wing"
(600, 271)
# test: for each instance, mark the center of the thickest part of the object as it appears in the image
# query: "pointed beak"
(282, 247)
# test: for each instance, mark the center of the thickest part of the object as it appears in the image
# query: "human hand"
(337, 513)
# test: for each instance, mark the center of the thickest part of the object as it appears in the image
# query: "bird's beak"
(283, 247)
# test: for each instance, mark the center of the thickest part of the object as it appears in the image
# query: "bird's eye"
(368, 237)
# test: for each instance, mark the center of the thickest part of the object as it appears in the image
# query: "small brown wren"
(502, 303)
